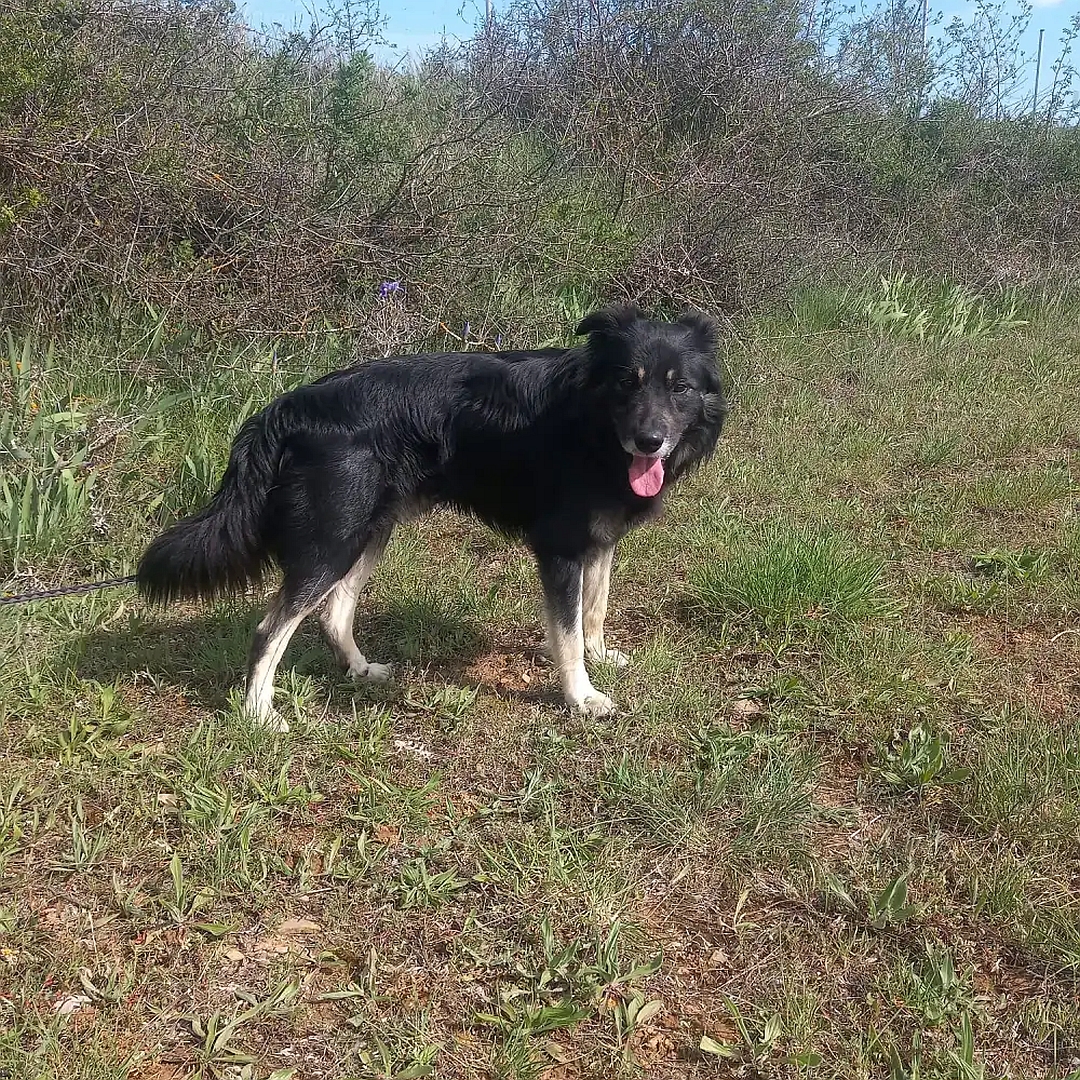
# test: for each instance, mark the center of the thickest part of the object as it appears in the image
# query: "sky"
(411, 27)
(415, 25)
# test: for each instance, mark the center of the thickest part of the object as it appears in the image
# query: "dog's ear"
(611, 322)
(705, 332)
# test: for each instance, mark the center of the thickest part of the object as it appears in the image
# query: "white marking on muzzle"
(666, 447)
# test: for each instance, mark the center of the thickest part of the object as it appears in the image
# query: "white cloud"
(1045, 3)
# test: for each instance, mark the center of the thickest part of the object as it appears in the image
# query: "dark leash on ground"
(66, 590)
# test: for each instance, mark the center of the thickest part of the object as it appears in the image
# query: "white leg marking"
(259, 700)
(337, 617)
(568, 654)
(596, 579)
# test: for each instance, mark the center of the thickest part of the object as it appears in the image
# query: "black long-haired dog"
(567, 449)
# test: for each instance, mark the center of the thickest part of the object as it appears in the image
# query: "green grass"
(789, 579)
(831, 832)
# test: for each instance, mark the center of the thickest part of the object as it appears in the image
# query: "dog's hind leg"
(340, 609)
(595, 580)
(287, 611)
(318, 515)
(561, 578)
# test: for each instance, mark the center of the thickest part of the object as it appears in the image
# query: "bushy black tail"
(220, 549)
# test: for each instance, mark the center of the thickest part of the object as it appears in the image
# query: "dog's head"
(660, 384)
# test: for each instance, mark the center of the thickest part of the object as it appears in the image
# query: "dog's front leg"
(596, 577)
(562, 578)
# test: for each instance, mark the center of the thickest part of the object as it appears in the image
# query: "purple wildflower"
(387, 288)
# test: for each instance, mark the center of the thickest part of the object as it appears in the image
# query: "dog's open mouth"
(646, 475)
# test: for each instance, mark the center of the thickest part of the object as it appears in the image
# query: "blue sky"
(414, 25)
(411, 27)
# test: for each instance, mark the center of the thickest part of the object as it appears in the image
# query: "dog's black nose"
(649, 444)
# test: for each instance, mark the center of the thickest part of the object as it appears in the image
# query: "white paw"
(612, 657)
(275, 722)
(373, 673)
(595, 704)
(268, 718)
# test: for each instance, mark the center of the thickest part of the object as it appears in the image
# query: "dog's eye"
(680, 387)
(629, 382)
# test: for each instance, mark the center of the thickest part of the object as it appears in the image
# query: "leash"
(66, 590)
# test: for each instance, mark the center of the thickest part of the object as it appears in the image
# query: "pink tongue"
(646, 476)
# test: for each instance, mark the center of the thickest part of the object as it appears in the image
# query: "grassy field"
(832, 832)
